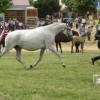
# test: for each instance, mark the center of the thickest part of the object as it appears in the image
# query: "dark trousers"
(76, 26)
(84, 24)
(3, 42)
(89, 35)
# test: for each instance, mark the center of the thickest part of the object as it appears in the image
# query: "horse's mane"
(58, 24)
(51, 26)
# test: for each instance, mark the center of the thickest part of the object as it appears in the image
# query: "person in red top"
(1, 29)
(4, 34)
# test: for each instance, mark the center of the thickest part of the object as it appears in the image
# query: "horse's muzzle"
(70, 37)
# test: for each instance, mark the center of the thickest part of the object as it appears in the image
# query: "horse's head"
(62, 27)
(68, 32)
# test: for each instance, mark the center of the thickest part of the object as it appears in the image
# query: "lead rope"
(90, 45)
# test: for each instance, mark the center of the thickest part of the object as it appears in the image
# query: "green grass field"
(49, 80)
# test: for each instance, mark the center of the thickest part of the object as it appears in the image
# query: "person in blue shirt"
(70, 21)
(82, 30)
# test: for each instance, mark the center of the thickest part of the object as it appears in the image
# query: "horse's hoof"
(64, 66)
(31, 66)
(72, 52)
(27, 68)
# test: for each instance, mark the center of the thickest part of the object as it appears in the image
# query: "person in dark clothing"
(97, 37)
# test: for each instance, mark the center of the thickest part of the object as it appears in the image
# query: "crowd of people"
(81, 24)
(10, 25)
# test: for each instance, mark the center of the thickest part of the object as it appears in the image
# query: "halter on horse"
(34, 39)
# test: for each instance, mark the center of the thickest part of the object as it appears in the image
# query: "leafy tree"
(46, 7)
(4, 5)
(80, 6)
(31, 2)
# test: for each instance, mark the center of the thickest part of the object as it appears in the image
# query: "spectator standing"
(82, 30)
(70, 21)
(83, 21)
(97, 24)
(1, 28)
(91, 23)
(79, 22)
(4, 34)
(20, 25)
(59, 20)
(76, 22)
(89, 30)
(39, 22)
(88, 13)
(6, 24)
(10, 24)
(13, 24)
(27, 26)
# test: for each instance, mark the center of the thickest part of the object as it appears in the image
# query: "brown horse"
(60, 37)
(80, 40)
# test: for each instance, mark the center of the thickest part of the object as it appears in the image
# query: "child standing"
(89, 30)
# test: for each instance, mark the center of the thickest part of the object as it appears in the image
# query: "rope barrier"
(90, 45)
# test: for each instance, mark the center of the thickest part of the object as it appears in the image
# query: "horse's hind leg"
(56, 46)
(54, 51)
(18, 53)
(41, 55)
(60, 47)
(4, 52)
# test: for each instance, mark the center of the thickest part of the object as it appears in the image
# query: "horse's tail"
(77, 44)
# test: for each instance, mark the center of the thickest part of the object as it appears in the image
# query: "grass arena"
(49, 80)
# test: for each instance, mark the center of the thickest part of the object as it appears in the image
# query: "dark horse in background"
(60, 37)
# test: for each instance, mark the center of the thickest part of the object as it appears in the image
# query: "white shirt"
(59, 20)
(83, 20)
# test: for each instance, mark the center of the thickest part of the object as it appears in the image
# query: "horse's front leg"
(54, 51)
(72, 47)
(41, 55)
(82, 47)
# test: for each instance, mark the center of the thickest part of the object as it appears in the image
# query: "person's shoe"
(92, 60)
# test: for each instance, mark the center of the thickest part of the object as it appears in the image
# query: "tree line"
(51, 6)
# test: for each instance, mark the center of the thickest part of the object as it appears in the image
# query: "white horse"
(34, 39)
